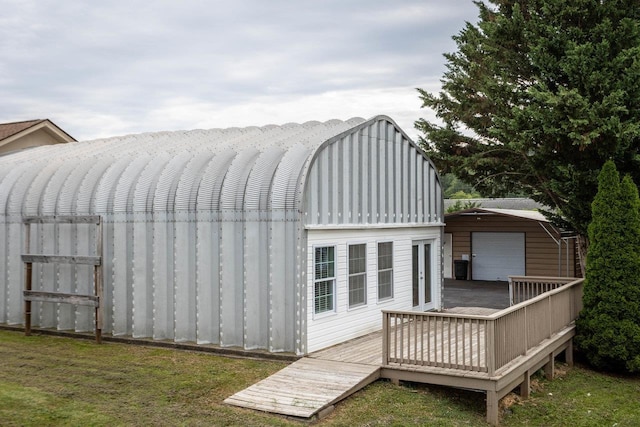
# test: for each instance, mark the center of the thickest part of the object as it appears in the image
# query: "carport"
(498, 243)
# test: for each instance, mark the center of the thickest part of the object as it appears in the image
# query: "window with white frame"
(385, 270)
(324, 280)
(357, 275)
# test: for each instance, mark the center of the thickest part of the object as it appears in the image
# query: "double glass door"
(422, 275)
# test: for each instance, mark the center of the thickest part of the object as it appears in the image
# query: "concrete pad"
(475, 293)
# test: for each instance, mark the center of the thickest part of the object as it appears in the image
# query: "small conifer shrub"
(608, 328)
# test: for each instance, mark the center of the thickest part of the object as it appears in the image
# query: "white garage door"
(497, 255)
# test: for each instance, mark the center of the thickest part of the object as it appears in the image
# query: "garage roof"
(530, 215)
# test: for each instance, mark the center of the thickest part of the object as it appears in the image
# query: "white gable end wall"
(344, 323)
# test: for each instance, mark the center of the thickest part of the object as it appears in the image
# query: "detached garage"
(283, 238)
(498, 243)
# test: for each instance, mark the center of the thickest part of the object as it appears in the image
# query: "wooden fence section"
(479, 343)
(524, 288)
(440, 340)
(29, 259)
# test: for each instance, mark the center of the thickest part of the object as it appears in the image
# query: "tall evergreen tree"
(539, 94)
(609, 324)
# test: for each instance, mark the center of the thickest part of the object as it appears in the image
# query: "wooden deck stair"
(306, 388)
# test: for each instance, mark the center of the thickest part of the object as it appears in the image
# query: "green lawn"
(49, 381)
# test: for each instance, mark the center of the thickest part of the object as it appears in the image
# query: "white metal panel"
(165, 190)
(256, 285)
(15, 275)
(142, 286)
(3, 271)
(163, 289)
(189, 182)
(234, 186)
(107, 273)
(85, 243)
(88, 186)
(259, 184)
(66, 200)
(121, 285)
(124, 190)
(210, 186)
(27, 196)
(55, 188)
(103, 193)
(48, 274)
(496, 256)
(277, 293)
(208, 280)
(65, 280)
(145, 186)
(232, 284)
(185, 280)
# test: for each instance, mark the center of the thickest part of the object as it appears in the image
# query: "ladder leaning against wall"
(59, 297)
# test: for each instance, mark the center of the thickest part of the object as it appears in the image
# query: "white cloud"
(115, 66)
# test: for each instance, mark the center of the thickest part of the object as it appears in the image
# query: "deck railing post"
(490, 347)
(550, 317)
(526, 331)
(385, 338)
(510, 291)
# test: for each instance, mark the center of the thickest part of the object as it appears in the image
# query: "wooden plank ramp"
(306, 387)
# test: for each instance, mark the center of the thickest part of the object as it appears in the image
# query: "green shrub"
(609, 325)
(459, 205)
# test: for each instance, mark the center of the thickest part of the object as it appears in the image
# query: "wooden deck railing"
(523, 288)
(476, 342)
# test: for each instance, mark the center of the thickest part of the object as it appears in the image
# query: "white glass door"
(422, 275)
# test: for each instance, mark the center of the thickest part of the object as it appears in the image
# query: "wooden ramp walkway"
(306, 388)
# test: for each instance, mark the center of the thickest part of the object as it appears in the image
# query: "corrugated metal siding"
(374, 175)
(202, 234)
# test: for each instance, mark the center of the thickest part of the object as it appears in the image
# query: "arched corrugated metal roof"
(234, 169)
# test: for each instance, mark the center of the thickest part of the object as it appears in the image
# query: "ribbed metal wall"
(204, 236)
(372, 175)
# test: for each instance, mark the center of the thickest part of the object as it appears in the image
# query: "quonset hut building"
(284, 238)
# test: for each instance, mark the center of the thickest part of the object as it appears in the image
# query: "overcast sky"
(113, 67)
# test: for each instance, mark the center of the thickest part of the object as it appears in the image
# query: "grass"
(50, 381)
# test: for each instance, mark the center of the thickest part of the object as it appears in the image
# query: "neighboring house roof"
(530, 215)
(522, 203)
(31, 133)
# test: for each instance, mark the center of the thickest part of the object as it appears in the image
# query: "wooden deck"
(311, 386)
(488, 350)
